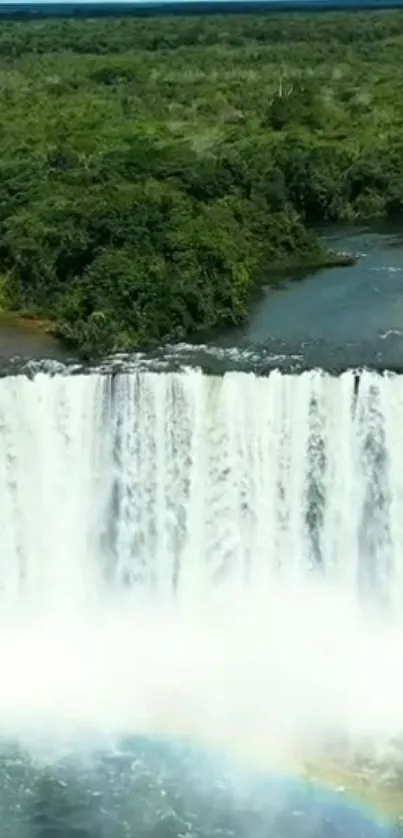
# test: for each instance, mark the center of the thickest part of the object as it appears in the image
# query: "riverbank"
(153, 172)
(28, 336)
(336, 318)
(46, 334)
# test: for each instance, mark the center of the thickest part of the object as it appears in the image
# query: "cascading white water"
(216, 557)
(227, 480)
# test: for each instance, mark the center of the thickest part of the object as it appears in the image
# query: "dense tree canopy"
(152, 171)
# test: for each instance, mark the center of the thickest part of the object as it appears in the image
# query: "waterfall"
(202, 519)
(181, 482)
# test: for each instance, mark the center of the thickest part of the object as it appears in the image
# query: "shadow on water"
(156, 789)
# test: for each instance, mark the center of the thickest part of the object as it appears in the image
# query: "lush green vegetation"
(152, 171)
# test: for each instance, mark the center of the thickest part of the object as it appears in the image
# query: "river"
(334, 319)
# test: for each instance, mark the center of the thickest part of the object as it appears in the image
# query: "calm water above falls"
(354, 305)
(335, 318)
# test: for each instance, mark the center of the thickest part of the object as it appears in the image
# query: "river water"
(353, 306)
(201, 576)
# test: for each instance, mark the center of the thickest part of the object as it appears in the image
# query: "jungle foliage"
(152, 171)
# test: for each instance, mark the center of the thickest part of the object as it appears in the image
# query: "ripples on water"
(161, 790)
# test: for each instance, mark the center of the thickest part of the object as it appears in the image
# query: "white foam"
(214, 558)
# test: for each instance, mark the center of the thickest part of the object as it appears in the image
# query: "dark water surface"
(342, 305)
(161, 790)
(340, 317)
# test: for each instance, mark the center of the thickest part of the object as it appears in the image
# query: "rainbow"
(374, 807)
(359, 800)
(359, 803)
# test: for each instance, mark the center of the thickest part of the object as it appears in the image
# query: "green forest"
(154, 171)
